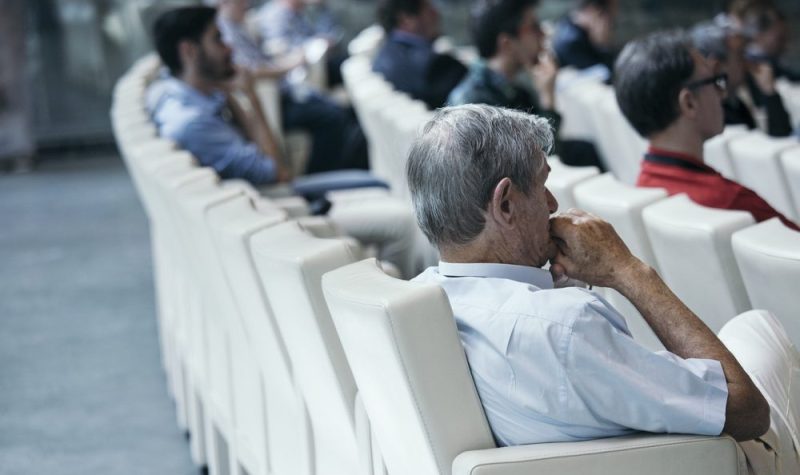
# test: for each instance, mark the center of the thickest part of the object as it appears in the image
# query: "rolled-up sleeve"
(625, 383)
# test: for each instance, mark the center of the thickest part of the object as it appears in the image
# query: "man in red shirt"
(673, 96)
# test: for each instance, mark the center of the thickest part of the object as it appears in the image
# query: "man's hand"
(544, 80)
(589, 250)
(242, 82)
(764, 76)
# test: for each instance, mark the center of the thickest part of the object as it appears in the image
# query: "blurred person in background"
(672, 95)
(290, 24)
(337, 141)
(768, 31)
(195, 106)
(582, 39)
(407, 59)
(751, 97)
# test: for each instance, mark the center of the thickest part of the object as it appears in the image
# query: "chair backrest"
(768, 255)
(757, 165)
(562, 181)
(692, 245)
(291, 263)
(621, 205)
(716, 150)
(790, 160)
(627, 146)
(401, 341)
(237, 229)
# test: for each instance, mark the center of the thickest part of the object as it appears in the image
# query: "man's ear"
(501, 205)
(503, 42)
(687, 103)
(187, 52)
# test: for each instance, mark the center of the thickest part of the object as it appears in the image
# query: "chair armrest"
(634, 455)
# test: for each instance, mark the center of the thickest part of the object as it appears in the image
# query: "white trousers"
(760, 344)
(376, 219)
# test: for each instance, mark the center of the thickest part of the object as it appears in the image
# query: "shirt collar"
(691, 161)
(211, 103)
(527, 275)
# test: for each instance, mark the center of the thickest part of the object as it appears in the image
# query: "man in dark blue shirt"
(583, 37)
(407, 59)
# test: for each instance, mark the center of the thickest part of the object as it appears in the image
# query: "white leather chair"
(291, 263)
(209, 347)
(716, 152)
(272, 432)
(402, 344)
(627, 147)
(757, 166)
(367, 42)
(188, 331)
(621, 205)
(692, 245)
(563, 179)
(790, 160)
(768, 255)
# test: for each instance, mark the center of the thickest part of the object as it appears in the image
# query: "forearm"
(684, 334)
(255, 125)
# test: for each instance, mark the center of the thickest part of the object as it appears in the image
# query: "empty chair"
(768, 255)
(692, 246)
(291, 263)
(563, 179)
(402, 344)
(209, 345)
(790, 160)
(272, 434)
(757, 166)
(716, 152)
(621, 205)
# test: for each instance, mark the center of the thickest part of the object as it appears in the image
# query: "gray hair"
(458, 159)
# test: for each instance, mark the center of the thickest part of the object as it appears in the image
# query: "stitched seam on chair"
(599, 451)
(413, 390)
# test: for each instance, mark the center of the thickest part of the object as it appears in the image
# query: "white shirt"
(556, 365)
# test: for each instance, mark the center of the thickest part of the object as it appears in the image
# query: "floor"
(81, 385)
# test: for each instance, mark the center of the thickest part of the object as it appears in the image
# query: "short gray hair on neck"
(458, 159)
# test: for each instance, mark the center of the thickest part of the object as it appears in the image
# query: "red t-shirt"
(681, 173)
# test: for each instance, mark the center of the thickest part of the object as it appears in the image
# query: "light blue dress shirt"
(553, 365)
(198, 123)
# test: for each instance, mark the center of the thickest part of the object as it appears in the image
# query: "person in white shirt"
(559, 364)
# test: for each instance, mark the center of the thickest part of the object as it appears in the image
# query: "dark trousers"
(325, 121)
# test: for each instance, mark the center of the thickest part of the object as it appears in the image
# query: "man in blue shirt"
(559, 364)
(195, 107)
(407, 59)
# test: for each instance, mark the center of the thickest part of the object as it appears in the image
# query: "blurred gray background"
(70, 52)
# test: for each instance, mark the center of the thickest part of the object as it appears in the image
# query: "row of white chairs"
(267, 382)
(719, 262)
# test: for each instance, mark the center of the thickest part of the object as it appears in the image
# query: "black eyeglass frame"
(720, 81)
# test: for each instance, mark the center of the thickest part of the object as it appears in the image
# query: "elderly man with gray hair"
(554, 363)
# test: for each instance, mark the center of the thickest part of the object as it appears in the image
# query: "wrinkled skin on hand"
(589, 249)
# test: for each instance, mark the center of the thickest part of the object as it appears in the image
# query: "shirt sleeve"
(217, 145)
(624, 383)
(748, 200)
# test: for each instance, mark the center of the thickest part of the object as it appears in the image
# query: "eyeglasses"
(720, 81)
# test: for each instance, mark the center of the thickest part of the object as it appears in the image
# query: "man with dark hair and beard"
(195, 107)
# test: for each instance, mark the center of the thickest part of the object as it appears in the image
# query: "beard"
(217, 71)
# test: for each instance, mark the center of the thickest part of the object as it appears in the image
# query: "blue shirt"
(555, 365)
(200, 124)
(278, 22)
(409, 63)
